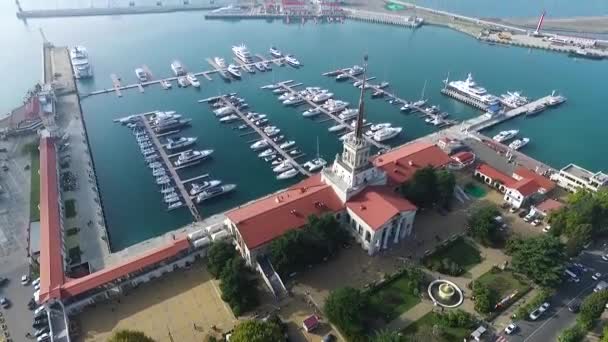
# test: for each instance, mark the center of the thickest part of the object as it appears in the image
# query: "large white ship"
(80, 62)
(471, 90)
(241, 52)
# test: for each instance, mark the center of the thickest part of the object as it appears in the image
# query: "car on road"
(41, 331)
(5, 303)
(535, 222)
(580, 267)
(596, 276)
(546, 229)
(3, 281)
(544, 307)
(605, 257)
(36, 282)
(535, 314)
(329, 338)
(25, 279)
(510, 328)
(574, 307)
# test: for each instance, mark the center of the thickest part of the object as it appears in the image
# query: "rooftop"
(496, 175)
(464, 157)
(578, 171)
(376, 205)
(526, 186)
(541, 180)
(549, 205)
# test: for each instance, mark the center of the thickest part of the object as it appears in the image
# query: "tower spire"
(359, 127)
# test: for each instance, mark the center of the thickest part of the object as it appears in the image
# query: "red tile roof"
(106, 275)
(541, 180)
(401, 163)
(464, 157)
(496, 175)
(549, 205)
(51, 243)
(264, 220)
(310, 323)
(378, 204)
(526, 187)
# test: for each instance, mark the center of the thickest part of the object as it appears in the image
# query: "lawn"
(461, 251)
(35, 186)
(475, 189)
(394, 297)
(70, 208)
(504, 282)
(426, 323)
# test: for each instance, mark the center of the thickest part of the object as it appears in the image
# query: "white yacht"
(291, 60)
(356, 70)
(288, 174)
(406, 107)
(336, 128)
(519, 143)
(380, 126)
(214, 191)
(322, 97)
(287, 144)
(505, 135)
(182, 81)
(276, 53)
(223, 111)
(387, 133)
(260, 144)
(141, 74)
(241, 52)
(234, 70)
(192, 157)
(419, 103)
(513, 99)
(220, 62)
(335, 105)
(178, 68)
(536, 109)
(293, 100)
(175, 205)
(229, 118)
(555, 100)
(181, 142)
(80, 62)
(272, 132)
(166, 84)
(311, 112)
(470, 89)
(267, 153)
(348, 114)
(197, 188)
(283, 166)
(315, 164)
(193, 80)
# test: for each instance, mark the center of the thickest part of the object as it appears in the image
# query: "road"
(558, 317)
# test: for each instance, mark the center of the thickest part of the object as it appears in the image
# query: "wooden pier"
(260, 132)
(178, 183)
(486, 122)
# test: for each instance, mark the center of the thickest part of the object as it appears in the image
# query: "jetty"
(383, 18)
(110, 10)
(482, 122)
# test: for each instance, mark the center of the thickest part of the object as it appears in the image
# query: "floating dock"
(513, 113)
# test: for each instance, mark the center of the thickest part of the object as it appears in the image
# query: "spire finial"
(359, 127)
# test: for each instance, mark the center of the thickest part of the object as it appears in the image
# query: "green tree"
(446, 181)
(485, 298)
(604, 333)
(220, 254)
(256, 331)
(572, 334)
(583, 208)
(238, 287)
(593, 306)
(482, 225)
(386, 336)
(457, 319)
(541, 258)
(345, 308)
(422, 189)
(129, 336)
(578, 238)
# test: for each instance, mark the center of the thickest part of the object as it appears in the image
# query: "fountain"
(445, 293)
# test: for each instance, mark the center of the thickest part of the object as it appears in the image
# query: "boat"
(513, 99)
(224, 111)
(291, 60)
(336, 128)
(181, 142)
(406, 107)
(249, 68)
(377, 94)
(81, 65)
(582, 53)
(280, 91)
(259, 66)
(278, 138)
(260, 144)
(234, 71)
(155, 165)
(273, 132)
(535, 109)
(159, 172)
(241, 52)
(175, 205)
(470, 89)
(170, 195)
(380, 126)
(167, 189)
(192, 157)
(386, 133)
(288, 174)
(311, 112)
(193, 80)
(505, 135)
(383, 85)
(284, 96)
(342, 77)
(142, 76)
(348, 114)
(277, 161)
(166, 84)
(266, 65)
(214, 191)
(322, 97)
(358, 83)
(229, 118)
(220, 62)
(422, 100)
(171, 124)
(519, 143)
(163, 180)
(261, 122)
(159, 117)
(182, 81)
(356, 70)
(197, 188)
(283, 166)
(287, 144)
(294, 100)
(315, 164)
(333, 106)
(267, 152)
(178, 68)
(555, 100)
(274, 52)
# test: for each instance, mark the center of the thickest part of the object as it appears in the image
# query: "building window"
(368, 236)
(338, 216)
(360, 230)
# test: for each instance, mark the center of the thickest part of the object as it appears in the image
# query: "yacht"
(266, 65)
(282, 167)
(336, 128)
(175, 205)
(259, 66)
(241, 52)
(229, 118)
(193, 80)
(380, 126)
(519, 143)
(335, 105)
(261, 122)
(80, 62)
(214, 191)
(311, 112)
(192, 157)
(383, 85)
(220, 62)
(377, 94)
(270, 158)
(356, 70)
(586, 54)
(234, 70)
(387, 133)
(159, 172)
(277, 161)
(249, 68)
(163, 181)
(171, 124)
(278, 138)
(291, 60)
(348, 114)
(287, 144)
(294, 100)
(406, 107)
(419, 103)
(271, 86)
(315, 164)
(513, 99)
(505, 135)
(276, 53)
(284, 96)
(142, 76)
(273, 132)
(166, 84)
(178, 68)
(322, 97)
(536, 109)
(182, 81)
(181, 142)
(224, 111)
(288, 174)
(342, 77)
(158, 117)
(197, 188)
(471, 90)
(267, 152)
(260, 144)
(555, 100)
(167, 190)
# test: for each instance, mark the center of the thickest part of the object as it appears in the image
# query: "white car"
(546, 229)
(596, 276)
(535, 222)
(36, 282)
(605, 257)
(544, 307)
(510, 328)
(512, 210)
(535, 314)
(25, 279)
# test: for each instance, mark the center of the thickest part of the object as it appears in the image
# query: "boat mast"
(359, 127)
(423, 89)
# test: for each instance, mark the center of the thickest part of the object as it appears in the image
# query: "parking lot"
(181, 306)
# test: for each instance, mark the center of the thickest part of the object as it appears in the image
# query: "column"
(399, 228)
(388, 232)
(405, 230)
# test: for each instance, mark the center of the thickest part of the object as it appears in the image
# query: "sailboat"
(422, 100)
(317, 163)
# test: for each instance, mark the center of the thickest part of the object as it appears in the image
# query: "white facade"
(573, 177)
(514, 198)
(393, 231)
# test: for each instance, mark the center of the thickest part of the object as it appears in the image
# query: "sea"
(574, 132)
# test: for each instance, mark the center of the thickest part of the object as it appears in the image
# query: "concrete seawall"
(81, 12)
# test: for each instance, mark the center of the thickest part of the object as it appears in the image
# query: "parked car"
(596, 276)
(510, 328)
(41, 331)
(3, 281)
(605, 257)
(329, 338)
(547, 229)
(522, 213)
(544, 307)
(25, 279)
(512, 210)
(574, 307)
(535, 314)
(36, 282)
(535, 222)
(5, 303)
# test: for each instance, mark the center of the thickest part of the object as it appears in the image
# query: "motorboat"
(431, 110)
(315, 164)
(181, 142)
(582, 53)
(260, 144)
(406, 107)
(171, 125)
(513, 99)
(178, 68)
(283, 166)
(288, 174)
(335, 105)
(276, 53)
(259, 66)
(383, 85)
(81, 65)
(519, 143)
(356, 70)
(342, 77)
(167, 189)
(161, 117)
(220, 62)
(278, 138)
(197, 188)
(377, 94)
(175, 205)
(192, 157)
(214, 191)
(555, 100)
(294, 100)
(170, 195)
(271, 86)
(419, 103)
(261, 122)
(269, 158)
(387, 133)
(380, 126)
(280, 91)
(267, 152)
(229, 118)
(155, 165)
(535, 109)
(271, 129)
(166, 84)
(182, 81)
(470, 89)
(337, 128)
(322, 97)
(241, 52)
(277, 161)
(311, 112)
(505, 135)
(272, 133)
(348, 114)
(234, 70)
(193, 80)
(142, 76)
(284, 96)
(159, 172)
(291, 60)
(266, 65)
(163, 180)
(249, 68)
(224, 111)
(287, 144)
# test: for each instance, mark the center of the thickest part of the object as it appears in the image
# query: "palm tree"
(129, 336)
